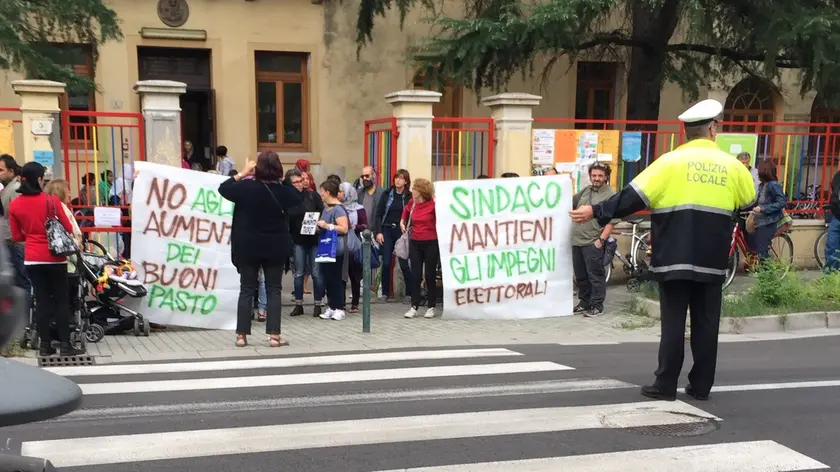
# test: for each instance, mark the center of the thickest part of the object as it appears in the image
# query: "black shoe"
(595, 312)
(689, 390)
(581, 308)
(67, 350)
(297, 311)
(653, 392)
(317, 312)
(45, 349)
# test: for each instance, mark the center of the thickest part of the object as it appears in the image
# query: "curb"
(764, 324)
(781, 323)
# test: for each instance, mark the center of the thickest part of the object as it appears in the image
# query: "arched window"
(751, 102)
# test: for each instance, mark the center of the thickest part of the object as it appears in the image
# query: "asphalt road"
(549, 407)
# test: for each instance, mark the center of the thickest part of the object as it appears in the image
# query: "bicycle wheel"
(781, 249)
(731, 269)
(819, 249)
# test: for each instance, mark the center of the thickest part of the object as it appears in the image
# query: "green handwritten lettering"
(181, 300)
(483, 202)
(210, 202)
(183, 253)
(503, 264)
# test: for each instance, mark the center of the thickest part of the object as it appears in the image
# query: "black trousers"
(52, 300)
(703, 300)
(424, 257)
(590, 277)
(248, 285)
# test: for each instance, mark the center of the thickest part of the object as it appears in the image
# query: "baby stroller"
(82, 331)
(109, 285)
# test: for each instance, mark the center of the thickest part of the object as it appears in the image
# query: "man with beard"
(588, 242)
(9, 178)
(369, 192)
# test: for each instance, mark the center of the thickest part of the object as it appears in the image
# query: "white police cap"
(705, 110)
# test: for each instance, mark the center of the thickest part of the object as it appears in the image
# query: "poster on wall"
(505, 247)
(543, 147)
(180, 246)
(631, 146)
(736, 143)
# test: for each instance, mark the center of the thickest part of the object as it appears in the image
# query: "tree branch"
(782, 62)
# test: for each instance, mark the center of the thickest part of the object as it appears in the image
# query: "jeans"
(424, 257)
(261, 298)
(52, 300)
(390, 237)
(333, 283)
(248, 284)
(304, 263)
(832, 245)
(763, 236)
(588, 265)
(21, 278)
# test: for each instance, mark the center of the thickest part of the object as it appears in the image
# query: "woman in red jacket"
(27, 219)
(423, 254)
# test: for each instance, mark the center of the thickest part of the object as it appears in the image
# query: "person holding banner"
(692, 192)
(260, 239)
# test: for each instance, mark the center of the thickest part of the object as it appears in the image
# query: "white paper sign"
(180, 246)
(310, 223)
(543, 147)
(107, 217)
(506, 247)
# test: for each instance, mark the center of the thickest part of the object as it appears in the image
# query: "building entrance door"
(198, 111)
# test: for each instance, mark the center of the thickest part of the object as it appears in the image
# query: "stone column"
(41, 124)
(413, 111)
(512, 113)
(161, 106)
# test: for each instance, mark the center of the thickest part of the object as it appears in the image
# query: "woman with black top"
(305, 245)
(386, 225)
(260, 239)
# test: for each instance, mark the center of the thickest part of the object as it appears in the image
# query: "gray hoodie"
(8, 194)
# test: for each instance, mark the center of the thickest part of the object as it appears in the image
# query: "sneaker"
(338, 315)
(411, 313)
(593, 313)
(327, 314)
(297, 310)
(581, 308)
(382, 299)
(317, 310)
(407, 300)
(430, 313)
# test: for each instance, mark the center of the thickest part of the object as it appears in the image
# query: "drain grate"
(65, 361)
(661, 423)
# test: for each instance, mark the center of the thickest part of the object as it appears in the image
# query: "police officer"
(692, 193)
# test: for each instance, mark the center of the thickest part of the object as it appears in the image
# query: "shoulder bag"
(59, 240)
(401, 246)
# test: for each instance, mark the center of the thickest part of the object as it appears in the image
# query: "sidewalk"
(389, 330)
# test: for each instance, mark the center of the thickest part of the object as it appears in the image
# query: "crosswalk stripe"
(318, 378)
(255, 439)
(268, 363)
(751, 456)
(541, 387)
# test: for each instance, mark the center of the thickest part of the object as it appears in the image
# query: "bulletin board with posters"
(574, 151)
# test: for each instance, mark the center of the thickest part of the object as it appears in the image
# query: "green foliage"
(35, 36)
(774, 294)
(688, 42)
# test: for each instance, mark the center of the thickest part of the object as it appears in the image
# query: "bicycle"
(740, 247)
(636, 262)
(819, 244)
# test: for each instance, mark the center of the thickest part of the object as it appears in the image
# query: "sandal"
(241, 340)
(354, 309)
(261, 316)
(277, 341)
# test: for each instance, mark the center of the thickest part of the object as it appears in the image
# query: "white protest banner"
(310, 222)
(505, 247)
(180, 246)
